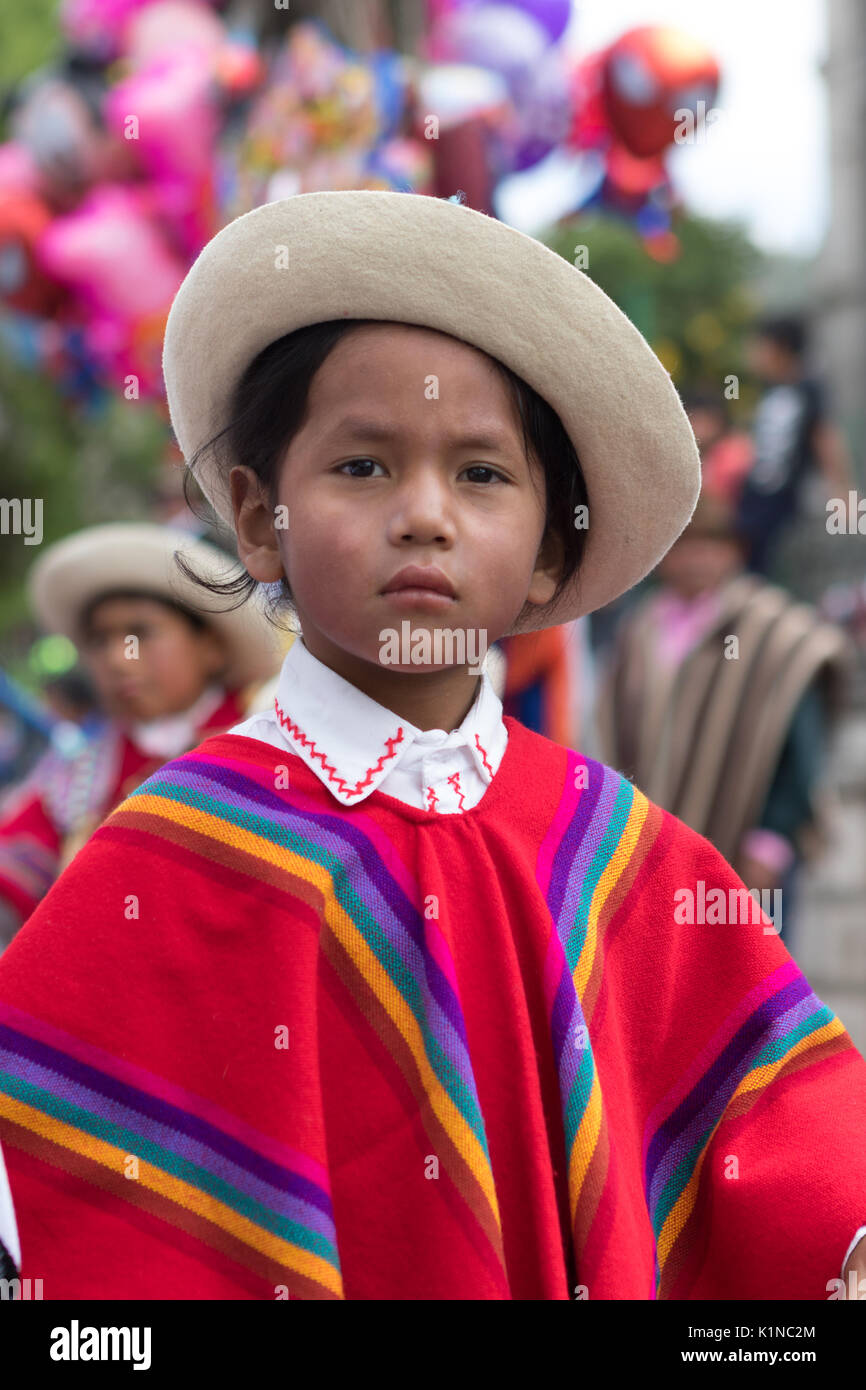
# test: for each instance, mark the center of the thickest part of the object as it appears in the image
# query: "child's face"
(707, 425)
(696, 563)
(162, 672)
(769, 360)
(408, 486)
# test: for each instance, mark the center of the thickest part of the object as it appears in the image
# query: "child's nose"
(117, 654)
(424, 508)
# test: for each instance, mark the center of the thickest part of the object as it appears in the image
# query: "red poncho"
(254, 1045)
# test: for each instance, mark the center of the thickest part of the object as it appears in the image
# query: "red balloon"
(23, 284)
(648, 75)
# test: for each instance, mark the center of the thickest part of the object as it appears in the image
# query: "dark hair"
(787, 330)
(74, 686)
(269, 406)
(195, 620)
(703, 399)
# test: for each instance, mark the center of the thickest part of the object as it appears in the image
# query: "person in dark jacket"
(793, 435)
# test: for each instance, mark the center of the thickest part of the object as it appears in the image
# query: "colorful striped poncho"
(256, 1045)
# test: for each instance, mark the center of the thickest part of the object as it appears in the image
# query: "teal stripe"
(606, 849)
(777, 1047)
(772, 1052)
(678, 1182)
(160, 1157)
(578, 1098)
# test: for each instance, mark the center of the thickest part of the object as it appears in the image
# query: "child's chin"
(136, 711)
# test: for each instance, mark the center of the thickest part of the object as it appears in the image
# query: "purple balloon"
(543, 105)
(496, 36)
(552, 15)
(532, 153)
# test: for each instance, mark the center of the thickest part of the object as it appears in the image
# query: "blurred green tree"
(693, 310)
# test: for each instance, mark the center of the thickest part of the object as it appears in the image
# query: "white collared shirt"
(355, 745)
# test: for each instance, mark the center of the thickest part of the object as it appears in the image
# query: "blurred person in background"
(793, 437)
(546, 682)
(74, 704)
(166, 670)
(727, 453)
(25, 730)
(718, 700)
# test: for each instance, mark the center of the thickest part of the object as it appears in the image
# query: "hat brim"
(140, 557)
(426, 261)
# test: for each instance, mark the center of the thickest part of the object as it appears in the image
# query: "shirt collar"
(352, 742)
(173, 734)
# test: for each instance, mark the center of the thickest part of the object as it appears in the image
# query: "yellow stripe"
(584, 1144)
(611, 873)
(586, 1138)
(752, 1081)
(462, 1135)
(283, 1252)
(762, 1076)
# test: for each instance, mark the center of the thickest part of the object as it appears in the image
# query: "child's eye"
(483, 468)
(352, 463)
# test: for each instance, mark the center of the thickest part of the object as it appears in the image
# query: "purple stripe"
(571, 841)
(585, 853)
(567, 1016)
(746, 1041)
(296, 1208)
(715, 1105)
(163, 1113)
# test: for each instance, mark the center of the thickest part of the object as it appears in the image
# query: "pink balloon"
(18, 171)
(110, 254)
(172, 26)
(100, 26)
(168, 114)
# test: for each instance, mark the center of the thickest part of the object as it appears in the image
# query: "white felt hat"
(140, 557)
(409, 258)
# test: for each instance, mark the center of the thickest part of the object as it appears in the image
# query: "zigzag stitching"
(431, 805)
(454, 780)
(483, 755)
(333, 775)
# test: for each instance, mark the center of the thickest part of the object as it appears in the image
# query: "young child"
(734, 747)
(411, 1007)
(167, 672)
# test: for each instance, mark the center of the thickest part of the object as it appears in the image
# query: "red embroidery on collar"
(454, 781)
(483, 756)
(333, 775)
(432, 804)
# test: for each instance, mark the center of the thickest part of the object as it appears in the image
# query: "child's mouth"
(410, 597)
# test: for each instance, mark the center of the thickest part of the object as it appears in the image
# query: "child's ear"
(548, 567)
(258, 546)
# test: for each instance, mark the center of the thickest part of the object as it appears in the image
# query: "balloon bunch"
(107, 186)
(157, 125)
(516, 43)
(619, 110)
(160, 123)
(326, 119)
